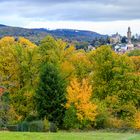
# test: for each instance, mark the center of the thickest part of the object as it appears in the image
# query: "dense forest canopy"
(70, 88)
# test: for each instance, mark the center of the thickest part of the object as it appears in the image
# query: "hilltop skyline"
(104, 16)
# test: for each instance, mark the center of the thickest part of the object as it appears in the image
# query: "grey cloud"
(79, 10)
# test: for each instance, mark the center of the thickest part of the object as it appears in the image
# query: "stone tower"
(129, 35)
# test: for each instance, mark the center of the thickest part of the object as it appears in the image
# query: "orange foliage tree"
(79, 96)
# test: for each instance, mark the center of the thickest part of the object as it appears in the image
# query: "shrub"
(23, 126)
(34, 126)
(12, 127)
(53, 127)
(70, 119)
(100, 121)
(137, 120)
(46, 125)
(114, 123)
(102, 116)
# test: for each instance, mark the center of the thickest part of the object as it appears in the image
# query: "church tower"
(130, 46)
(129, 35)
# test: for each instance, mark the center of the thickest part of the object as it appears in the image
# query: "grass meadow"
(68, 136)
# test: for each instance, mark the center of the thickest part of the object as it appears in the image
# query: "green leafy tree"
(115, 83)
(59, 53)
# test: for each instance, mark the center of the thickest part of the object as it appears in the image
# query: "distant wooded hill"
(36, 35)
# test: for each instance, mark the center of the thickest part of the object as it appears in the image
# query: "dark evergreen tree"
(124, 39)
(50, 94)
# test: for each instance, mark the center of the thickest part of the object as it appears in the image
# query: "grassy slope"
(68, 136)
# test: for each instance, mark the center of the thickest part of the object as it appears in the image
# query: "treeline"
(71, 89)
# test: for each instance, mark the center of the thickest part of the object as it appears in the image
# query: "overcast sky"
(102, 16)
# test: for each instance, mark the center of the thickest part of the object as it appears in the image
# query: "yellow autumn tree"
(26, 43)
(19, 64)
(79, 96)
(137, 120)
(8, 67)
(81, 63)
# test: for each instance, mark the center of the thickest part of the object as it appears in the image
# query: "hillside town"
(120, 44)
(126, 45)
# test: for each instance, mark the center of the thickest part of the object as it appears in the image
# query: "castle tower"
(129, 35)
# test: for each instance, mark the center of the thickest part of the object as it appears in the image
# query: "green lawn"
(68, 136)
